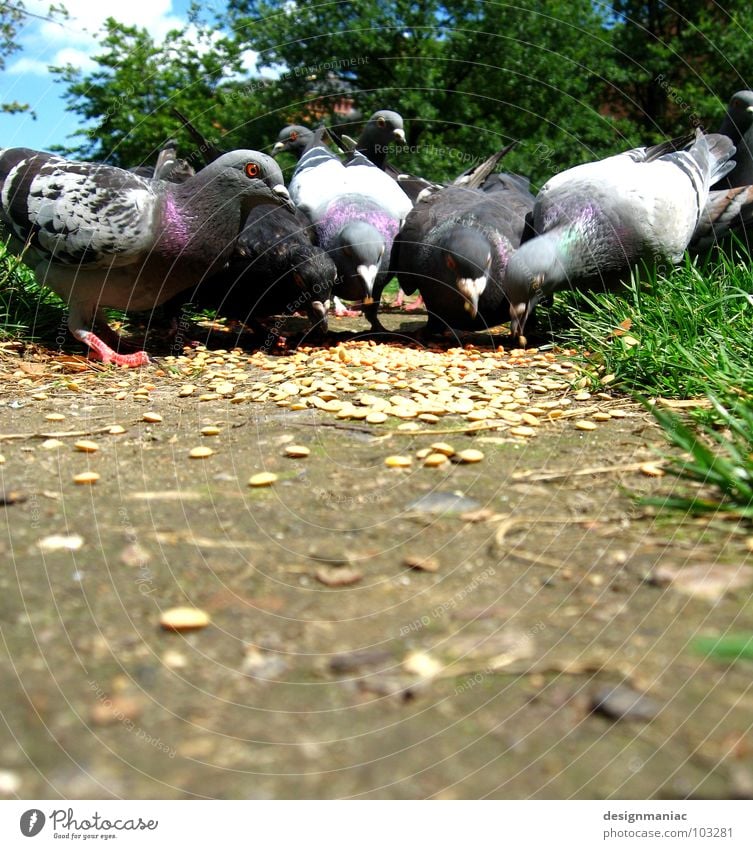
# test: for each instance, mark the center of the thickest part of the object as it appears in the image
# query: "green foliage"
(728, 647)
(26, 309)
(571, 81)
(679, 334)
(673, 64)
(718, 455)
(126, 101)
(468, 76)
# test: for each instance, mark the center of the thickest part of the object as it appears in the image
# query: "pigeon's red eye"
(298, 280)
(450, 262)
(252, 169)
(293, 136)
(381, 122)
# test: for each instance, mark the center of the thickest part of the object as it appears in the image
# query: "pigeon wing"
(76, 212)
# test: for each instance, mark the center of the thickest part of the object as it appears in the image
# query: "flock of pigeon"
(480, 250)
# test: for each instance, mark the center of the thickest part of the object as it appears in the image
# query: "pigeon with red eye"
(455, 246)
(294, 139)
(356, 211)
(99, 236)
(598, 221)
(274, 270)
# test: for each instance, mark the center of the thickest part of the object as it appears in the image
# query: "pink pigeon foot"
(415, 305)
(341, 311)
(99, 350)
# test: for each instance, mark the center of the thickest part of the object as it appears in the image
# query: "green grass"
(686, 334)
(27, 310)
(731, 647)
(682, 335)
(718, 455)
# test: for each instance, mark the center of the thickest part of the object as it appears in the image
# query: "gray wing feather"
(76, 212)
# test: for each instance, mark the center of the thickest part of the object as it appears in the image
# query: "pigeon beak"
(284, 197)
(399, 135)
(518, 318)
(749, 109)
(368, 274)
(278, 148)
(317, 312)
(471, 288)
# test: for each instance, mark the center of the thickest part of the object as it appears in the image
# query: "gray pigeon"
(380, 131)
(168, 166)
(274, 270)
(596, 221)
(356, 211)
(738, 126)
(728, 216)
(294, 139)
(727, 220)
(100, 236)
(456, 244)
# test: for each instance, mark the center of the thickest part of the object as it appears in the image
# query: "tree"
(678, 67)
(569, 80)
(126, 102)
(467, 75)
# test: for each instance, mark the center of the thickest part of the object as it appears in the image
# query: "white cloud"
(76, 57)
(74, 40)
(26, 65)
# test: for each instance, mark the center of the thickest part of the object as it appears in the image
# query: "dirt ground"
(333, 667)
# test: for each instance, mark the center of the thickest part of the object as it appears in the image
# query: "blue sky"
(27, 79)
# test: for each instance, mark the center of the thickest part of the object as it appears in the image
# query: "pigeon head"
(358, 253)
(381, 130)
(314, 278)
(254, 177)
(294, 139)
(739, 118)
(535, 270)
(466, 263)
(386, 126)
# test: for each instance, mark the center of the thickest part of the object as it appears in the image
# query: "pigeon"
(728, 215)
(274, 270)
(168, 166)
(99, 236)
(382, 129)
(294, 139)
(356, 211)
(596, 221)
(738, 126)
(456, 244)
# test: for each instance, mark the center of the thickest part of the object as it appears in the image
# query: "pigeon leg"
(400, 299)
(370, 312)
(415, 305)
(98, 348)
(341, 311)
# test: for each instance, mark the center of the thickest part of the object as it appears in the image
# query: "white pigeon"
(356, 211)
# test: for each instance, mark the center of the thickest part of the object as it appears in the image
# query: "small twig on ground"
(539, 475)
